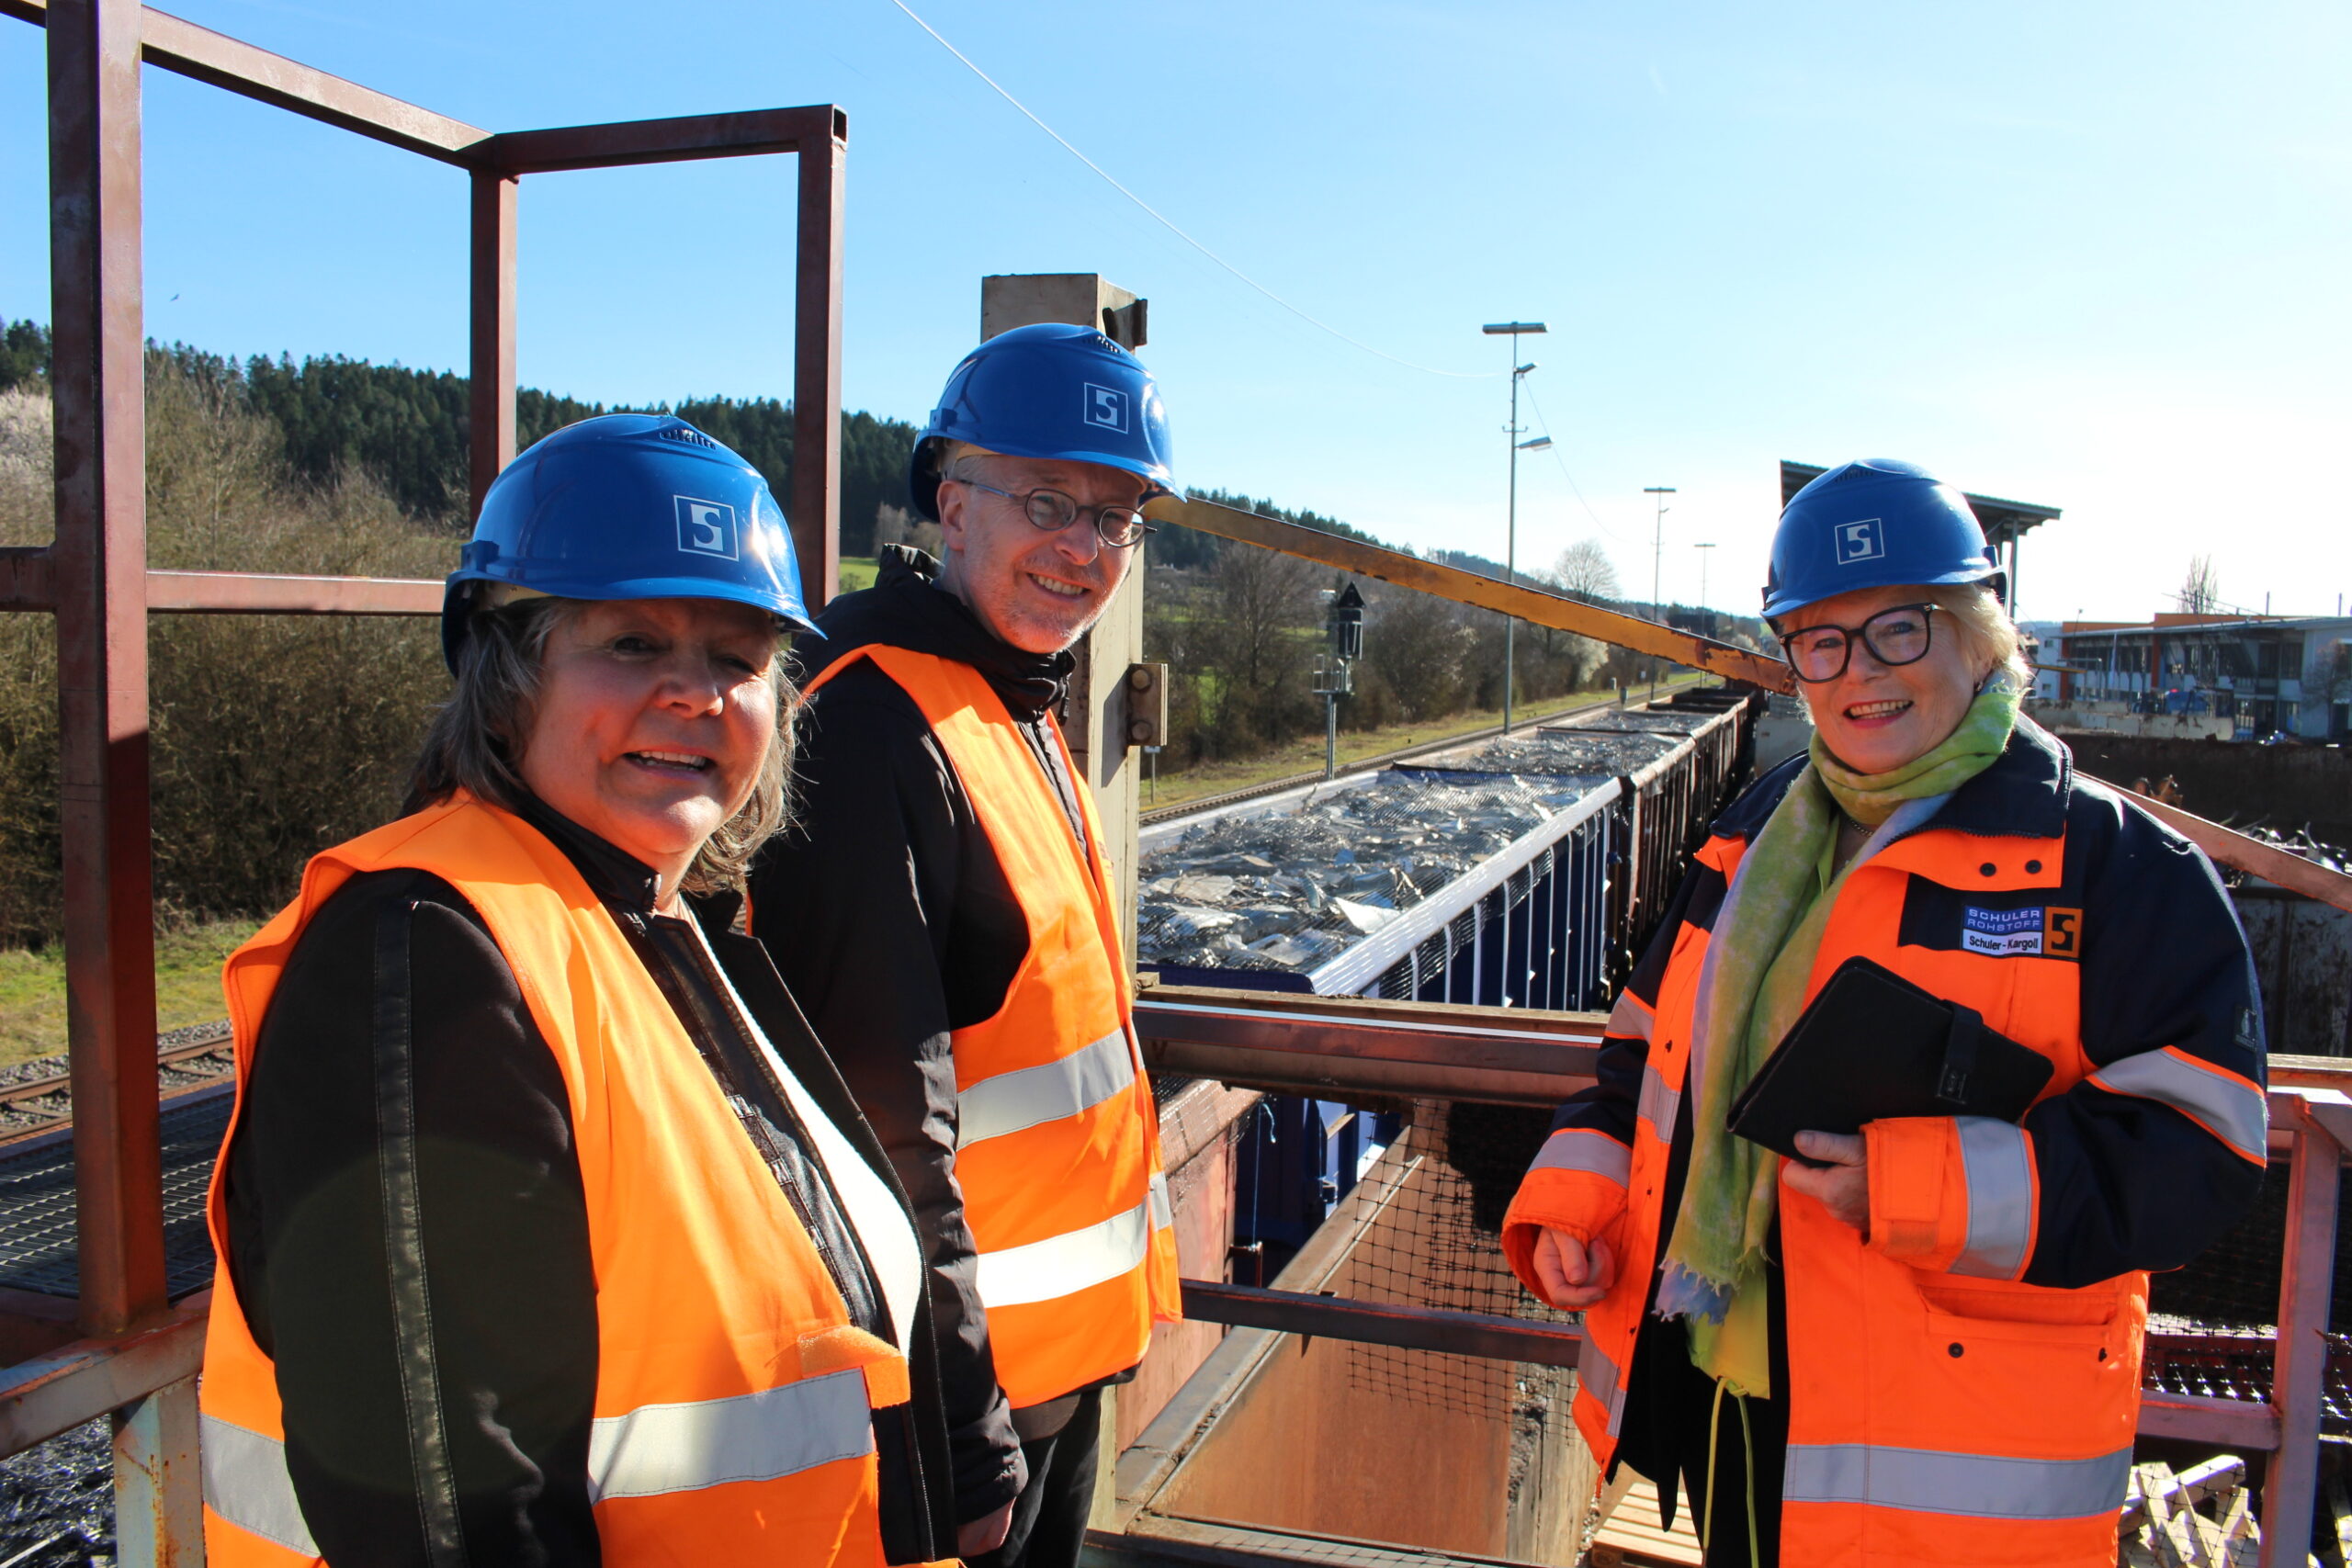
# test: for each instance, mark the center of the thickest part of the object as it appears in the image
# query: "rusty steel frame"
(1296, 1043)
(140, 1351)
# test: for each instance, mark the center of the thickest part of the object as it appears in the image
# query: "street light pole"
(1657, 562)
(1704, 560)
(1514, 330)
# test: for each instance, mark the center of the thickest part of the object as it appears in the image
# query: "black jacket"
(501, 1222)
(887, 913)
(2124, 1183)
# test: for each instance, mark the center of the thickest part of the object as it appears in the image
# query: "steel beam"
(2290, 1480)
(251, 594)
(1516, 599)
(1341, 1047)
(815, 505)
(2268, 861)
(158, 1480)
(100, 566)
(490, 393)
(1544, 609)
(183, 48)
(2240, 1425)
(79, 1382)
(739, 135)
(1483, 1335)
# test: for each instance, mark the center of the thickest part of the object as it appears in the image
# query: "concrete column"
(1096, 718)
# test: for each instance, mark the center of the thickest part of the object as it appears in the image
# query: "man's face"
(1037, 590)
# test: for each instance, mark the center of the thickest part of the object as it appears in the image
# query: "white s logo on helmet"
(706, 528)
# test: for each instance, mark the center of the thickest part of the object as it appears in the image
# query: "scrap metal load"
(1379, 883)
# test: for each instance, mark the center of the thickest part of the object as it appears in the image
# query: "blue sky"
(2090, 256)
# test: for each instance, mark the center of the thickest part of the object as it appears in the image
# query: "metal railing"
(1361, 1049)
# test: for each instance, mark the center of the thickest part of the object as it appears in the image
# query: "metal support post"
(1510, 546)
(491, 392)
(100, 554)
(158, 1489)
(1331, 735)
(817, 367)
(2290, 1480)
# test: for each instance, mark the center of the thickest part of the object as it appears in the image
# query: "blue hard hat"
(629, 507)
(1873, 524)
(1047, 391)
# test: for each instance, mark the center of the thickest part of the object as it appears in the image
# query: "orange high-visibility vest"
(1057, 1142)
(1940, 1410)
(733, 1417)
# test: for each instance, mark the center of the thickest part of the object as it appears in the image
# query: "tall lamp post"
(1704, 560)
(1658, 560)
(1514, 330)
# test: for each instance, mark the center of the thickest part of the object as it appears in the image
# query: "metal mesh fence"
(1437, 1243)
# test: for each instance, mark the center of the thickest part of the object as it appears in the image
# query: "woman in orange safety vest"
(548, 1233)
(1923, 1345)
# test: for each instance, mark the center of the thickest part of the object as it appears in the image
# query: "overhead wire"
(1545, 427)
(1165, 222)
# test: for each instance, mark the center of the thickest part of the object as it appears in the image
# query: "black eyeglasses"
(1899, 636)
(1052, 510)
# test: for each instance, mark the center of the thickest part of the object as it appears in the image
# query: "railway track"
(199, 1051)
(1361, 765)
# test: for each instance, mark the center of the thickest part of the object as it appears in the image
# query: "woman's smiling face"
(1876, 718)
(651, 721)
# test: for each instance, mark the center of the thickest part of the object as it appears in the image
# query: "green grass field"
(188, 986)
(857, 574)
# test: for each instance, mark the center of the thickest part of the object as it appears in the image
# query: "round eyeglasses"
(1899, 636)
(1052, 510)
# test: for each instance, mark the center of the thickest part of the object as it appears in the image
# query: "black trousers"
(1670, 1413)
(1049, 1515)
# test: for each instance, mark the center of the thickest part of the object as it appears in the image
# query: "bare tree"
(1585, 571)
(2201, 591)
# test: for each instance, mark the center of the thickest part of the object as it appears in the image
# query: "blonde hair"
(476, 740)
(1987, 635)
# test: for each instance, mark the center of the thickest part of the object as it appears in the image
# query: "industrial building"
(2269, 676)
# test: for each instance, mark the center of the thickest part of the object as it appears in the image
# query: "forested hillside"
(277, 736)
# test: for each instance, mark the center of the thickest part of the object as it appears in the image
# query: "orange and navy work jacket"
(734, 1398)
(1056, 1136)
(1964, 1385)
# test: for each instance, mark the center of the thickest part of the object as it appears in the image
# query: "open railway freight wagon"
(106, 1319)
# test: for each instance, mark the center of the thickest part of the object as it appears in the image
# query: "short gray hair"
(476, 740)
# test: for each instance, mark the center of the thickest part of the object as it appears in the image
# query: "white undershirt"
(882, 1226)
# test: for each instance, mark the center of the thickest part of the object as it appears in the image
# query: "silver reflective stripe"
(1598, 1374)
(1658, 1102)
(2223, 1104)
(1577, 1148)
(1980, 1486)
(247, 1484)
(752, 1436)
(1066, 1264)
(1999, 1168)
(1163, 1213)
(1629, 1018)
(1013, 1103)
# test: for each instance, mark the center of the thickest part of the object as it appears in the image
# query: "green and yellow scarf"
(1758, 967)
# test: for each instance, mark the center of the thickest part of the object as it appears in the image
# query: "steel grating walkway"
(37, 1223)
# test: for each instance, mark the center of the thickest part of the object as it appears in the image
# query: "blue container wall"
(1538, 941)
